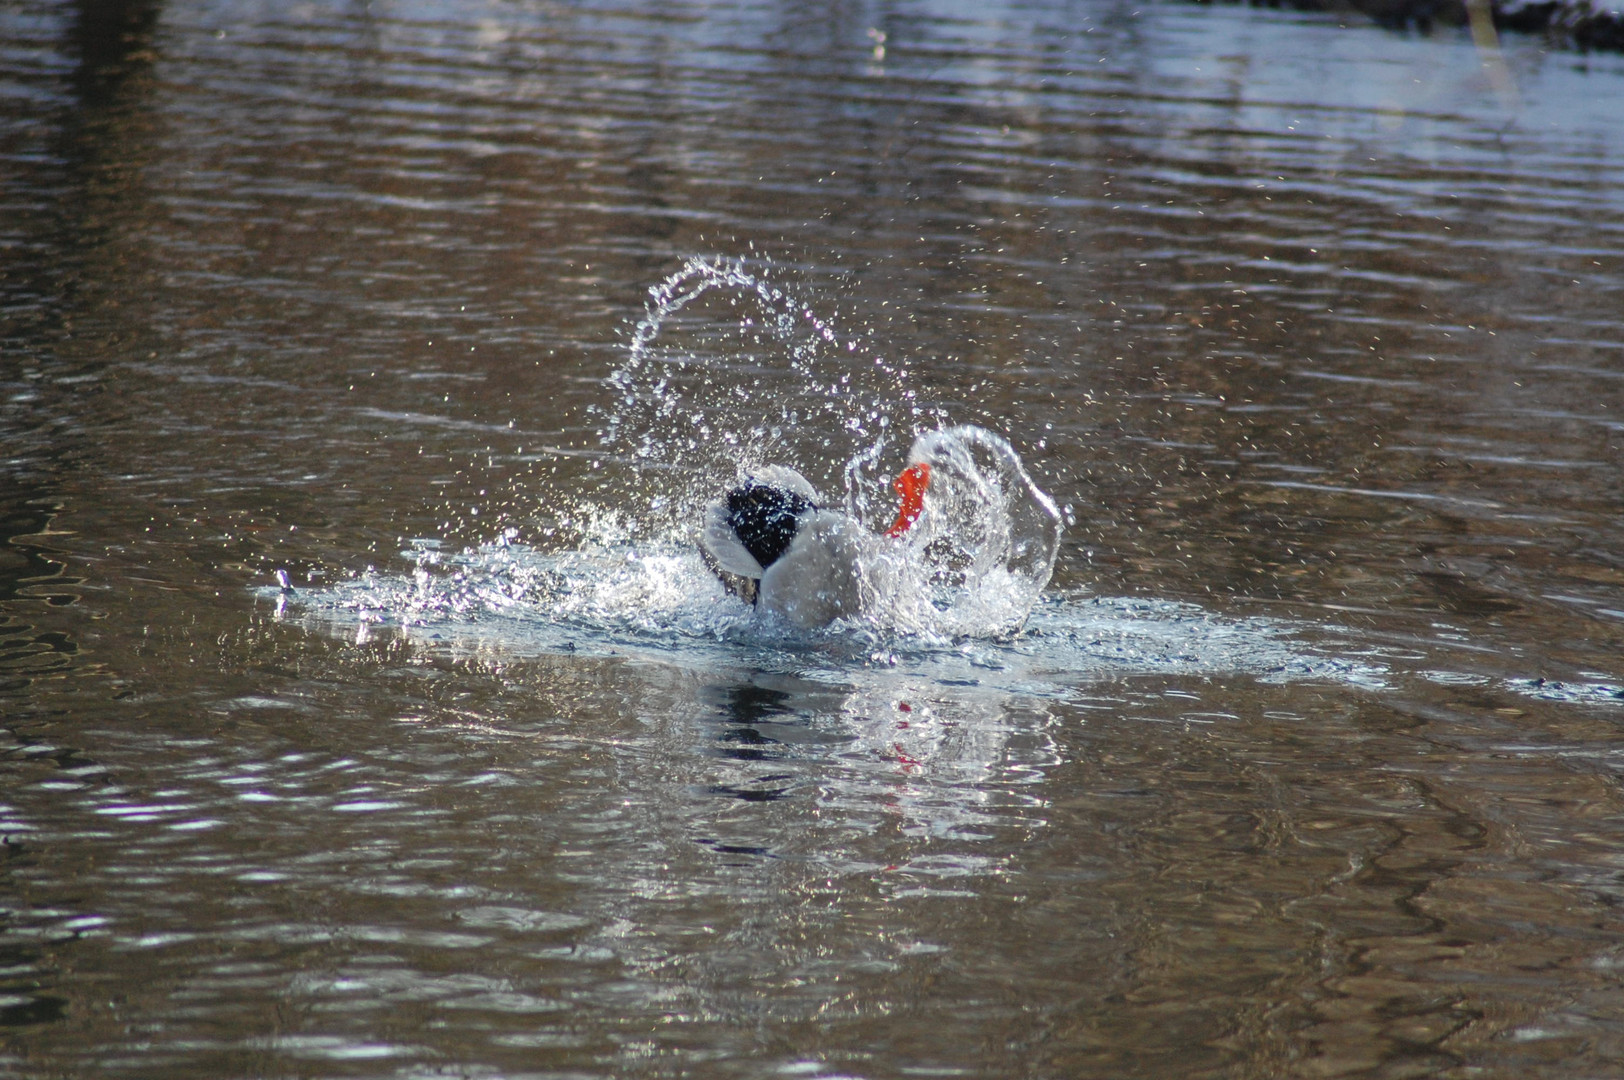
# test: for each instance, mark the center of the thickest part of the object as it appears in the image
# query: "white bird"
(771, 542)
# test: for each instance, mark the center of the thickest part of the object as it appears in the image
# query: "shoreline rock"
(1586, 25)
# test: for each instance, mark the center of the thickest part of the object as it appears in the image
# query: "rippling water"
(1307, 764)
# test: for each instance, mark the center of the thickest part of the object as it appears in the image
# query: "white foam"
(659, 602)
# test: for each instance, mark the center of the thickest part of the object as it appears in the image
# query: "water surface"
(1306, 765)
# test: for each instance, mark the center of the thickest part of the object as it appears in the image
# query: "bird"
(773, 544)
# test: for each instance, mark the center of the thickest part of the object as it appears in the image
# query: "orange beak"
(911, 486)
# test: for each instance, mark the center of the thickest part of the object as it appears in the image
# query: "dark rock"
(1581, 24)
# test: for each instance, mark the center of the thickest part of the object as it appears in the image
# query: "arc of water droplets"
(673, 410)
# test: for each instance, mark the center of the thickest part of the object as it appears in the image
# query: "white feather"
(782, 476)
(722, 544)
(818, 580)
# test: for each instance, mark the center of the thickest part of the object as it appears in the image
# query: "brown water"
(1309, 765)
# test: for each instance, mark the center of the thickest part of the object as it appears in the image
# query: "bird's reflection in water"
(745, 709)
(928, 763)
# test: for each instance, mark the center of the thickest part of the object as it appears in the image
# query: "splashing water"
(726, 373)
(727, 370)
(981, 552)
